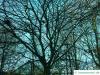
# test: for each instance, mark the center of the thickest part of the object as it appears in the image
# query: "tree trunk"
(46, 70)
(32, 68)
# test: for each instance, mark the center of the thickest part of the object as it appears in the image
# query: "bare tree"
(48, 29)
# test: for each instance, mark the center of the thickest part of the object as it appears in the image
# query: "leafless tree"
(49, 29)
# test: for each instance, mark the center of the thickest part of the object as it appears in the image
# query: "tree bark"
(46, 70)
